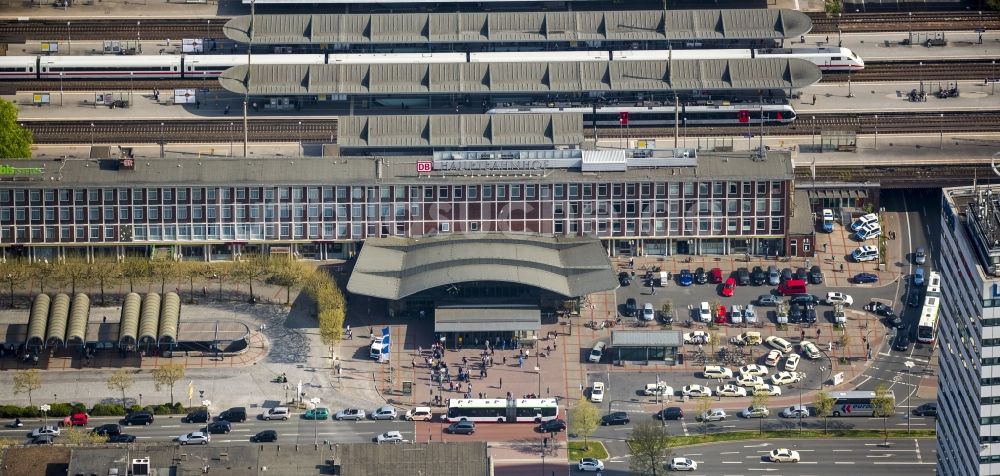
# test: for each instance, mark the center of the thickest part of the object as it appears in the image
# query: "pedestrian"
(814, 100)
(105, 320)
(818, 331)
(505, 361)
(548, 349)
(652, 290)
(509, 395)
(500, 385)
(827, 38)
(371, 330)
(465, 360)
(803, 334)
(631, 262)
(413, 362)
(841, 267)
(420, 350)
(527, 353)
(520, 362)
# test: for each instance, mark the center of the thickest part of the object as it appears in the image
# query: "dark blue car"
(685, 278)
(862, 278)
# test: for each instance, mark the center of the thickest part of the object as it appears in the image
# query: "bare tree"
(105, 271)
(27, 381)
(168, 375)
(824, 407)
(74, 271)
(760, 400)
(135, 269)
(649, 446)
(164, 270)
(122, 380)
(883, 406)
(13, 273)
(250, 269)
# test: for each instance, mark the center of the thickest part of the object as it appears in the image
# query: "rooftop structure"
(468, 130)
(981, 207)
(513, 27)
(544, 77)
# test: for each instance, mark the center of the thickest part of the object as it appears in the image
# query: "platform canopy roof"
(466, 130)
(394, 267)
(541, 77)
(483, 27)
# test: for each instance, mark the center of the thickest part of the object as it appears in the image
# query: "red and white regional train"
(199, 66)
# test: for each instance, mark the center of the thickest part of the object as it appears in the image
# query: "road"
(295, 430)
(820, 457)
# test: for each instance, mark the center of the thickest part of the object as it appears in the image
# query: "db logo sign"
(425, 166)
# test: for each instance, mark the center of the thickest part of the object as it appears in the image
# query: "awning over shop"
(487, 319)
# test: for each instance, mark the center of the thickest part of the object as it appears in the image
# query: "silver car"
(768, 300)
(350, 414)
(920, 256)
(384, 413)
(773, 277)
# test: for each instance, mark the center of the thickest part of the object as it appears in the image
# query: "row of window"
(401, 192)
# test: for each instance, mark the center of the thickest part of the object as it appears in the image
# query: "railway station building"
(486, 174)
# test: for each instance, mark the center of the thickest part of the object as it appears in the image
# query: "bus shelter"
(645, 346)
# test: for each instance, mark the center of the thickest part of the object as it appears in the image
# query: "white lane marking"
(920, 457)
(842, 451)
(843, 462)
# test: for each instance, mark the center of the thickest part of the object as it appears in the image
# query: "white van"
(864, 220)
(715, 371)
(865, 253)
(419, 413)
(597, 392)
(378, 351)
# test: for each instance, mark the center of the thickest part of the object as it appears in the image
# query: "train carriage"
(110, 67)
(396, 58)
(211, 66)
(18, 67)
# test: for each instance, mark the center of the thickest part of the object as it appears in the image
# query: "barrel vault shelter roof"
(474, 27)
(529, 77)
(394, 268)
(460, 130)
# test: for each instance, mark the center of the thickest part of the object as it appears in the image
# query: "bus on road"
(855, 404)
(928, 326)
(515, 410)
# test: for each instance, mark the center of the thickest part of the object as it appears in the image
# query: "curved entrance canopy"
(394, 268)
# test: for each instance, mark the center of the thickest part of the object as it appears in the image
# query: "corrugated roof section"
(79, 314)
(149, 322)
(486, 319)
(170, 318)
(461, 130)
(645, 338)
(37, 320)
(58, 318)
(630, 25)
(129, 324)
(559, 77)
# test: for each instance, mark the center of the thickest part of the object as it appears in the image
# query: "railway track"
(173, 131)
(918, 70)
(13, 31)
(922, 21)
(901, 176)
(53, 85)
(325, 129)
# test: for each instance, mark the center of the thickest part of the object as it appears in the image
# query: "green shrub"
(16, 411)
(66, 409)
(166, 409)
(107, 409)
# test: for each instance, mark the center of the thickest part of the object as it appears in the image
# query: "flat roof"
(275, 171)
(528, 77)
(486, 27)
(645, 338)
(395, 267)
(466, 130)
(487, 319)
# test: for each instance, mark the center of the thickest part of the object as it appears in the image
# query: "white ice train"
(198, 66)
(645, 116)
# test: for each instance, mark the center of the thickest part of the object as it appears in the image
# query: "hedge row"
(100, 409)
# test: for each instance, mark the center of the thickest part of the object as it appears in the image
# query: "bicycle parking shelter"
(645, 346)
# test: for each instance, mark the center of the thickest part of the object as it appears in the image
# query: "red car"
(729, 287)
(721, 316)
(715, 276)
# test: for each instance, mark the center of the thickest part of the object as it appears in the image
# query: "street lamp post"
(45, 413)
(315, 402)
(69, 39)
(909, 368)
(302, 149)
(813, 118)
(232, 131)
(876, 131)
(91, 134)
(60, 89)
(941, 140)
(163, 142)
(538, 371)
(138, 39)
(140, 400)
(131, 85)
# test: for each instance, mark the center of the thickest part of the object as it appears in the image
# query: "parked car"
(696, 391)
(234, 415)
(834, 297)
(792, 362)
(597, 392)
(815, 275)
(700, 276)
(680, 463)
(801, 274)
(597, 352)
(757, 276)
(218, 426)
(743, 277)
(865, 278)
(783, 455)
(685, 278)
(631, 307)
(276, 413)
(714, 414)
(387, 412)
(795, 313)
(552, 426)
(809, 314)
(754, 369)
(648, 314)
(926, 409)
(462, 428)
(778, 343)
(785, 378)
(624, 279)
(879, 308)
(200, 415)
(773, 276)
(704, 312)
(920, 256)
(747, 338)
(864, 220)
(716, 372)
(695, 337)
(266, 436)
(615, 418)
(121, 438)
(767, 389)
(389, 437)
(316, 414)
(669, 413)
(729, 287)
(768, 300)
(730, 390)
(658, 388)
(755, 412)
(195, 438)
(810, 350)
(715, 275)
(138, 418)
(350, 414)
(590, 464)
(108, 429)
(773, 357)
(787, 275)
(795, 411)
(805, 299)
(751, 381)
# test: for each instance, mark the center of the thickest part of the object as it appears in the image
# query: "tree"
(649, 446)
(760, 400)
(168, 375)
(27, 381)
(249, 269)
(994, 4)
(15, 140)
(667, 310)
(843, 341)
(121, 380)
(72, 272)
(163, 270)
(80, 436)
(13, 273)
(193, 270)
(288, 274)
(883, 406)
(134, 269)
(220, 271)
(704, 405)
(584, 418)
(824, 407)
(330, 305)
(42, 272)
(105, 271)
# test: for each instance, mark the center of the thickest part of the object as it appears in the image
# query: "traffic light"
(744, 116)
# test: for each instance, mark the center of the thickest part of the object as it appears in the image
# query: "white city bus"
(855, 404)
(501, 410)
(928, 325)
